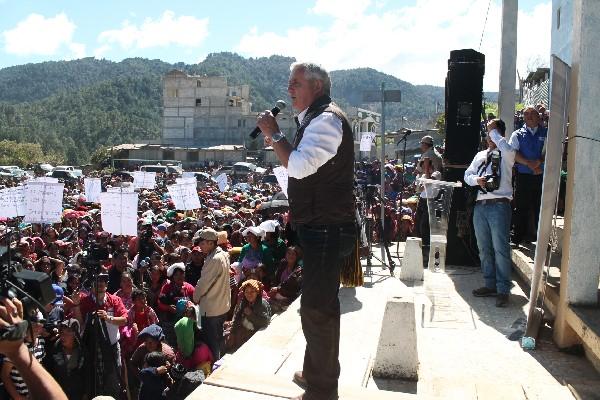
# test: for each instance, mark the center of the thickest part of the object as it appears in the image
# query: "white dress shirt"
(320, 142)
(506, 165)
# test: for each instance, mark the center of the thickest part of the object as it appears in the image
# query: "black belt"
(492, 201)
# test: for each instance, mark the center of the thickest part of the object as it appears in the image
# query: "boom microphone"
(280, 105)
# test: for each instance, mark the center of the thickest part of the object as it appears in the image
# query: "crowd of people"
(188, 288)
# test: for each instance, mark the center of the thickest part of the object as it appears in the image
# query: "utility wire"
(484, 24)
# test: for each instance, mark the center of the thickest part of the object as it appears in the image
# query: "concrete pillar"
(397, 356)
(580, 266)
(412, 262)
(508, 61)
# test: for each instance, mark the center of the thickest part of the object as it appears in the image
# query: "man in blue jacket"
(529, 142)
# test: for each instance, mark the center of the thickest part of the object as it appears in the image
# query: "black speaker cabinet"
(464, 91)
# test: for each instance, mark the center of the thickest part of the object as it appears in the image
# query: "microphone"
(280, 105)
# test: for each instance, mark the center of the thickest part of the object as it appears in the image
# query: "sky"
(409, 39)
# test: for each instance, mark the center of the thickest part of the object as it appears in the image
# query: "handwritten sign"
(118, 212)
(366, 140)
(144, 180)
(281, 174)
(93, 188)
(12, 202)
(43, 202)
(222, 182)
(185, 196)
(44, 179)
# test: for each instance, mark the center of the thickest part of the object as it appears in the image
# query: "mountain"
(71, 108)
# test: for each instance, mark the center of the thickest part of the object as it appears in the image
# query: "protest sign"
(187, 180)
(12, 202)
(281, 174)
(185, 196)
(188, 174)
(222, 182)
(43, 202)
(118, 212)
(366, 140)
(144, 180)
(93, 188)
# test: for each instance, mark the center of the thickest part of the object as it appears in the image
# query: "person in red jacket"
(175, 289)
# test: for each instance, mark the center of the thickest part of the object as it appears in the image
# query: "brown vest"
(325, 197)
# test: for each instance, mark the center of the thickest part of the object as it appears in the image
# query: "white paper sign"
(93, 188)
(43, 202)
(44, 179)
(222, 182)
(184, 180)
(118, 212)
(188, 174)
(12, 202)
(281, 174)
(366, 140)
(144, 180)
(185, 196)
(119, 189)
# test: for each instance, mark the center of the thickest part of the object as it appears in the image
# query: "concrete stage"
(463, 345)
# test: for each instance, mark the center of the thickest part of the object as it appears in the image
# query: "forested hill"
(71, 108)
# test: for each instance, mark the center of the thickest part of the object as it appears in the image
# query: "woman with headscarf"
(251, 314)
(192, 353)
(255, 252)
(288, 280)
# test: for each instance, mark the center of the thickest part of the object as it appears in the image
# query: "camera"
(492, 181)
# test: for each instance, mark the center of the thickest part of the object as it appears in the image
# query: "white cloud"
(184, 31)
(77, 51)
(38, 35)
(412, 43)
(100, 51)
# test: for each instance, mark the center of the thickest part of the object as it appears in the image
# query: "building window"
(198, 102)
(558, 19)
(198, 83)
(168, 155)
(172, 93)
(192, 156)
(239, 123)
(231, 102)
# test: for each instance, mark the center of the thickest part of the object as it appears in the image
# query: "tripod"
(368, 224)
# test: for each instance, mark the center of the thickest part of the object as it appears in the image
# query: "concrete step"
(230, 379)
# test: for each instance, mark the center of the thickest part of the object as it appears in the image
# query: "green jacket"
(266, 256)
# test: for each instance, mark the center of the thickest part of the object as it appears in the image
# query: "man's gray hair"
(315, 72)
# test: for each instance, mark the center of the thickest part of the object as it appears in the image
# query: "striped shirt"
(39, 351)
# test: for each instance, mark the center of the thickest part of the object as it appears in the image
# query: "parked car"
(66, 176)
(164, 169)
(73, 170)
(269, 179)
(226, 169)
(13, 170)
(243, 168)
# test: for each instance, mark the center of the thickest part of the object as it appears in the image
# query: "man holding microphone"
(320, 161)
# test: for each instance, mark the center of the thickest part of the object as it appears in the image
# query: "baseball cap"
(208, 234)
(427, 139)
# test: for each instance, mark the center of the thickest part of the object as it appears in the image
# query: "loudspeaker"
(464, 91)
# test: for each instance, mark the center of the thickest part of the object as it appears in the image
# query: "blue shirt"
(530, 144)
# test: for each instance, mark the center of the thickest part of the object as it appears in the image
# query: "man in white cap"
(429, 166)
(213, 292)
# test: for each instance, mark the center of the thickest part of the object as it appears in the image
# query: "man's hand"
(11, 313)
(533, 164)
(491, 126)
(102, 314)
(267, 123)
(481, 182)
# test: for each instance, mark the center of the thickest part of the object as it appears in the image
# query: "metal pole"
(508, 60)
(382, 170)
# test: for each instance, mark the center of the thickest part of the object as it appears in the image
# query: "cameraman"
(491, 217)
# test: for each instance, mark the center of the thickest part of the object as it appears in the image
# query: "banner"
(118, 212)
(43, 202)
(188, 174)
(366, 140)
(185, 196)
(93, 188)
(222, 182)
(144, 180)
(12, 202)
(184, 180)
(281, 174)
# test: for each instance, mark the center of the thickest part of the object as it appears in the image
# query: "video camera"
(32, 288)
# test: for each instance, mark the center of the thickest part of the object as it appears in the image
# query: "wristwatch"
(277, 136)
